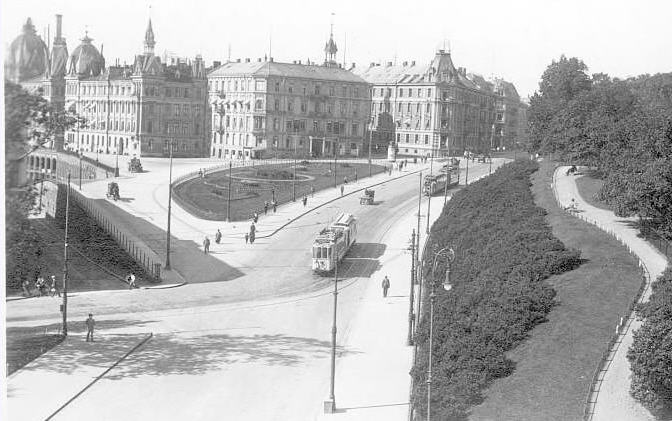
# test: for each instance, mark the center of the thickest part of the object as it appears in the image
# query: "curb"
(335, 199)
(167, 286)
(100, 376)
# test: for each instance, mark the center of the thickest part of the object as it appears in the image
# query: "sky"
(513, 39)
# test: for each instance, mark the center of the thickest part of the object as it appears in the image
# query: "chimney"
(353, 66)
(237, 60)
(405, 63)
(216, 63)
(389, 64)
(247, 60)
(59, 19)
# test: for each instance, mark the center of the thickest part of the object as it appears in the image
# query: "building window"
(331, 91)
(355, 129)
(328, 126)
(277, 86)
(317, 89)
(258, 105)
(407, 137)
(316, 126)
(429, 92)
(277, 105)
(416, 138)
(426, 139)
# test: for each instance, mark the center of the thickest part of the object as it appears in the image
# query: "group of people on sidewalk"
(42, 287)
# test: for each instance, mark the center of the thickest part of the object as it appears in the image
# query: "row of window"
(116, 125)
(244, 85)
(92, 107)
(232, 139)
(87, 89)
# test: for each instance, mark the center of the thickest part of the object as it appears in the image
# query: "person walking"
(386, 285)
(342, 189)
(131, 281)
(255, 217)
(54, 289)
(275, 206)
(247, 237)
(25, 285)
(39, 286)
(252, 236)
(312, 191)
(345, 179)
(305, 201)
(206, 245)
(90, 323)
(218, 236)
(266, 207)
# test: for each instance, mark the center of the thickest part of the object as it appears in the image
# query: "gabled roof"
(289, 70)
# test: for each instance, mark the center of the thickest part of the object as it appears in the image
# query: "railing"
(622, 326)
(149, 261)
(89, 160)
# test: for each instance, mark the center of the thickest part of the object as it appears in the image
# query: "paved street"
(252, 347)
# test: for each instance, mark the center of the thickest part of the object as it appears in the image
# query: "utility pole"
(429, 196)
(228, 201)
(411, 318)
(80, 169)
(370, 140)
(335, 163)
(64, 306)
(170, 199)
(294, 176)
(330, 404)
(466, 175)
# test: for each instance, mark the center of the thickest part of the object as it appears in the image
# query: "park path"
(614, 401)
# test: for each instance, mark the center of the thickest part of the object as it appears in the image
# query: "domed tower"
(330, 49)
(28, 56)
(86, 60)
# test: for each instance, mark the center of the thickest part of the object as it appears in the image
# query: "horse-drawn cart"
(367, 198)
(112, 190)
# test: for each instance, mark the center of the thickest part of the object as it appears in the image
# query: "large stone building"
(266, 108)
(431, 110)
(137, 109)
(509, 115)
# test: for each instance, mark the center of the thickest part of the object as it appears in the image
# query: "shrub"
(504, 252)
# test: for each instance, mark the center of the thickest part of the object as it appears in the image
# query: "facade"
(265, 108)
(139, 109)
(431, 110)
(509, 115)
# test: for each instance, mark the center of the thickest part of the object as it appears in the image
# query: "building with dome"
(29, 63)
(266, 108)
(137, 109)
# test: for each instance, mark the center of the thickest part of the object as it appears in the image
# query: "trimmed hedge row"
(504, 252)
(650, 355)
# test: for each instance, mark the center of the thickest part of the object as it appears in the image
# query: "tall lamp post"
(450, 256)
(43, 172)
(330, 403)
(170, 198)
(64, 306)
(116, 157)
(81, 154)
(411, 317)
(371, 122)
(429, 197)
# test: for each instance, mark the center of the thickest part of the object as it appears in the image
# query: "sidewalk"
(614, 401)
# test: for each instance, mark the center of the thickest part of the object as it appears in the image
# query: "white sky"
(515, 39)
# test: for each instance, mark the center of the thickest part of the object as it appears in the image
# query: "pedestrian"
(252, 237)
(255, 217)
(218, 236)
(25, 285)
(200, 173)
(312, 191)
(305, 201)
(247, 237)
(385, 285)
(39, 286)
(54, 289)
(266, 207)
(356, 176)
(275, 206)
(342, 188)
(206, 245)
(90, 323)
(131, 281)
(253, 228)
(345, 179)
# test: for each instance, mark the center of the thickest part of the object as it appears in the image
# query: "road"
(253, 347)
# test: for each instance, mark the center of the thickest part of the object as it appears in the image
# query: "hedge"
(504, 250)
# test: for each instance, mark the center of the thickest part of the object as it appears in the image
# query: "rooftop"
(288, 70)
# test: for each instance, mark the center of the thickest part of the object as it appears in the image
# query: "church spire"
(149, 39)
(330, 48)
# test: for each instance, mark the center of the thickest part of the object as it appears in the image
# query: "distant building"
(265, 108)
(509, 115)
(431, 110)
(138, 109)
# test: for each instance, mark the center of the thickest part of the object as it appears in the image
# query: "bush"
(650, 355)
(504, 252)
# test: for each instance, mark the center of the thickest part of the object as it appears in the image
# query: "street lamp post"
(42, 174)
(466, 175)
(370, 140)
(411, 317)
(81, 153)
(450, 256)
(228, 201)
(116, 158)
(170, 198)
(429, 196)
(335, 162)
(330, 404)
(294, 176)
(64, 306)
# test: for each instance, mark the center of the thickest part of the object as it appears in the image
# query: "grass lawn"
(555, 365)
(252, 186)
(589, 186)
(24, 344)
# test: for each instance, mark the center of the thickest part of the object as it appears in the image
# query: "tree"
(30, 122)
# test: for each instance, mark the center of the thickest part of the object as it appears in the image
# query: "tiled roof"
(377, 74)
(289, 70)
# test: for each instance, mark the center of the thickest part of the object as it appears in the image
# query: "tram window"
(328, 255)
(316, 252)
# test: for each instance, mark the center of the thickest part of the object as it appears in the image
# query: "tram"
(333, 242)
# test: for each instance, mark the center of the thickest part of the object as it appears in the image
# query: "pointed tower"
(330, 49)
(149, 40)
